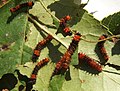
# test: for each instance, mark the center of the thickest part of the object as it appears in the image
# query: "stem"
(107, 29)
(47, 31)
(114, 36)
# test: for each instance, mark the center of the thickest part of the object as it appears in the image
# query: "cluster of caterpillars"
(63, 64)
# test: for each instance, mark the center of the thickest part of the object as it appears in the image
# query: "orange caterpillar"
(40, 46)
(63, 25)
(67, 31)
(39, 65)
(102, 48)
(63, 63)
(29, 4)
(91, 62)
(64, 20)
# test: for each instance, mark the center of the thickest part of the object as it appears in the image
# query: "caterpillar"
(63, 63)
(39, 65)
(32, 80)
(91, 62)
(102, 48)
(29, 4)
(40, 46)
(63, 25)
(64, 20)
(67, 31)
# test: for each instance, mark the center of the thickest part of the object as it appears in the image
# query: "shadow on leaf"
(68, 7)
(115, 49)
(54, 53)
(8, 81)
(36, 18)
(117, 67)
(14, 14)
(29, 85)
(67, 75)
(62, 72)
(87, 68)
(111, 72)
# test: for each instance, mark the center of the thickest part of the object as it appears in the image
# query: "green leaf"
(12, 33)
(57, 83)
(112, 22)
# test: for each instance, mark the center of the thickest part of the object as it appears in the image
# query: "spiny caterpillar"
(63, 63)
(32, 80)
(40, 46)
(102, 49)
(39, 65)
(91, 62)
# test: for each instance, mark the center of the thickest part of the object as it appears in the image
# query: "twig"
(114, 36)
